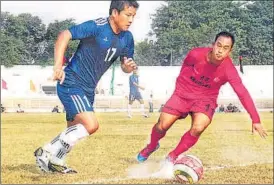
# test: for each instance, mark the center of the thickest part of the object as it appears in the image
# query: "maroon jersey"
(201, 80)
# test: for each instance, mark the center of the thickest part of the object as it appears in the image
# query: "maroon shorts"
(182, 107)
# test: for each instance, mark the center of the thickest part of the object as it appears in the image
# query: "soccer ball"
(188, 169)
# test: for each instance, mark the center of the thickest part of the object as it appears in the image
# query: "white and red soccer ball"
(188, 169)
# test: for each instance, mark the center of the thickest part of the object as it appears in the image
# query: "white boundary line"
(117, 179)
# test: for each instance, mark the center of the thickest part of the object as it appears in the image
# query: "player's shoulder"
(96, 23)
(127, 35)
(132, 76)
(229, 62)
(100, 24)
(93, 23)
(101, 21)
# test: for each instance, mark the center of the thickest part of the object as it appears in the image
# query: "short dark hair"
(226, 34)
(120, 5)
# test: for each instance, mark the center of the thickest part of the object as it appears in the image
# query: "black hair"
(226, 34)
(120, 5)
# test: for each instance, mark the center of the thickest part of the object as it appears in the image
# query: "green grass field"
(228, 150)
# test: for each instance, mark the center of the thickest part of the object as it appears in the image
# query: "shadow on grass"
(31, 172)
(31, 168)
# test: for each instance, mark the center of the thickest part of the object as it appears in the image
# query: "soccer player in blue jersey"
(102, 41)
(135, 94)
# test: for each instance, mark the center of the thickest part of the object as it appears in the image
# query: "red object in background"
(4, 85)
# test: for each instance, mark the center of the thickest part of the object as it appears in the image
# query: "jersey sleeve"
(243, 94)
(128, 51)
(84, 30)
(190, 58)
(131, 79)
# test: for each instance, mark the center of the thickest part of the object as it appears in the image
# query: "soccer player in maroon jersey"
(203, 73)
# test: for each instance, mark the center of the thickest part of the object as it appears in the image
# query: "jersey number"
(110, 55)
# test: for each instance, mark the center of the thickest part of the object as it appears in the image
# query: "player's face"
(135, 72)
(125, 18)
(222, 48)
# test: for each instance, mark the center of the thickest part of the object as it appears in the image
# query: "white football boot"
(42, 159)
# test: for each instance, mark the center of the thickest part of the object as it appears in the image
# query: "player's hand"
(259, 128)
(142, 88)
(129, 65)
(59, 74)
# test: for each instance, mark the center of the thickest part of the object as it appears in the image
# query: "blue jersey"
(133, 88)
(99, 47)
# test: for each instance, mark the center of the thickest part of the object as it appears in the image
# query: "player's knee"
(197, 130)
(160, 125)
(92, 127)
(88, 120)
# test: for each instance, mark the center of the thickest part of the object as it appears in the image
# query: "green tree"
(259, 26)
(181, 25)
(11, 49)
(51, 35)
(145, 53)
(27, 29)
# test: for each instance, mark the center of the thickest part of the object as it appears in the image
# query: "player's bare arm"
(59, 51)
(139, 86)
(128, 65)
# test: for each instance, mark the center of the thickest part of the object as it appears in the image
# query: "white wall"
(157, 79)
(161, 80)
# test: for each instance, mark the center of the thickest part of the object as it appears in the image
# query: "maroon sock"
(187, 141)
(156, 135)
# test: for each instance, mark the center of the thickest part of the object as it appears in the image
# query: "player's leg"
(142, 107)
(201, 114)
(158, 131)
(200, 122)
(55, 147)
(150, 107)
(75, 103)
(172, 111)
(129, 108)
(139, 97)
(130, 102)
(83, 125)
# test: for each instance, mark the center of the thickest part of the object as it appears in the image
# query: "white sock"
(53, 145)
(63, 143)
(142, 109)
(129, 109)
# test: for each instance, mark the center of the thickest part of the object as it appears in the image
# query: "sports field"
(228, 150)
